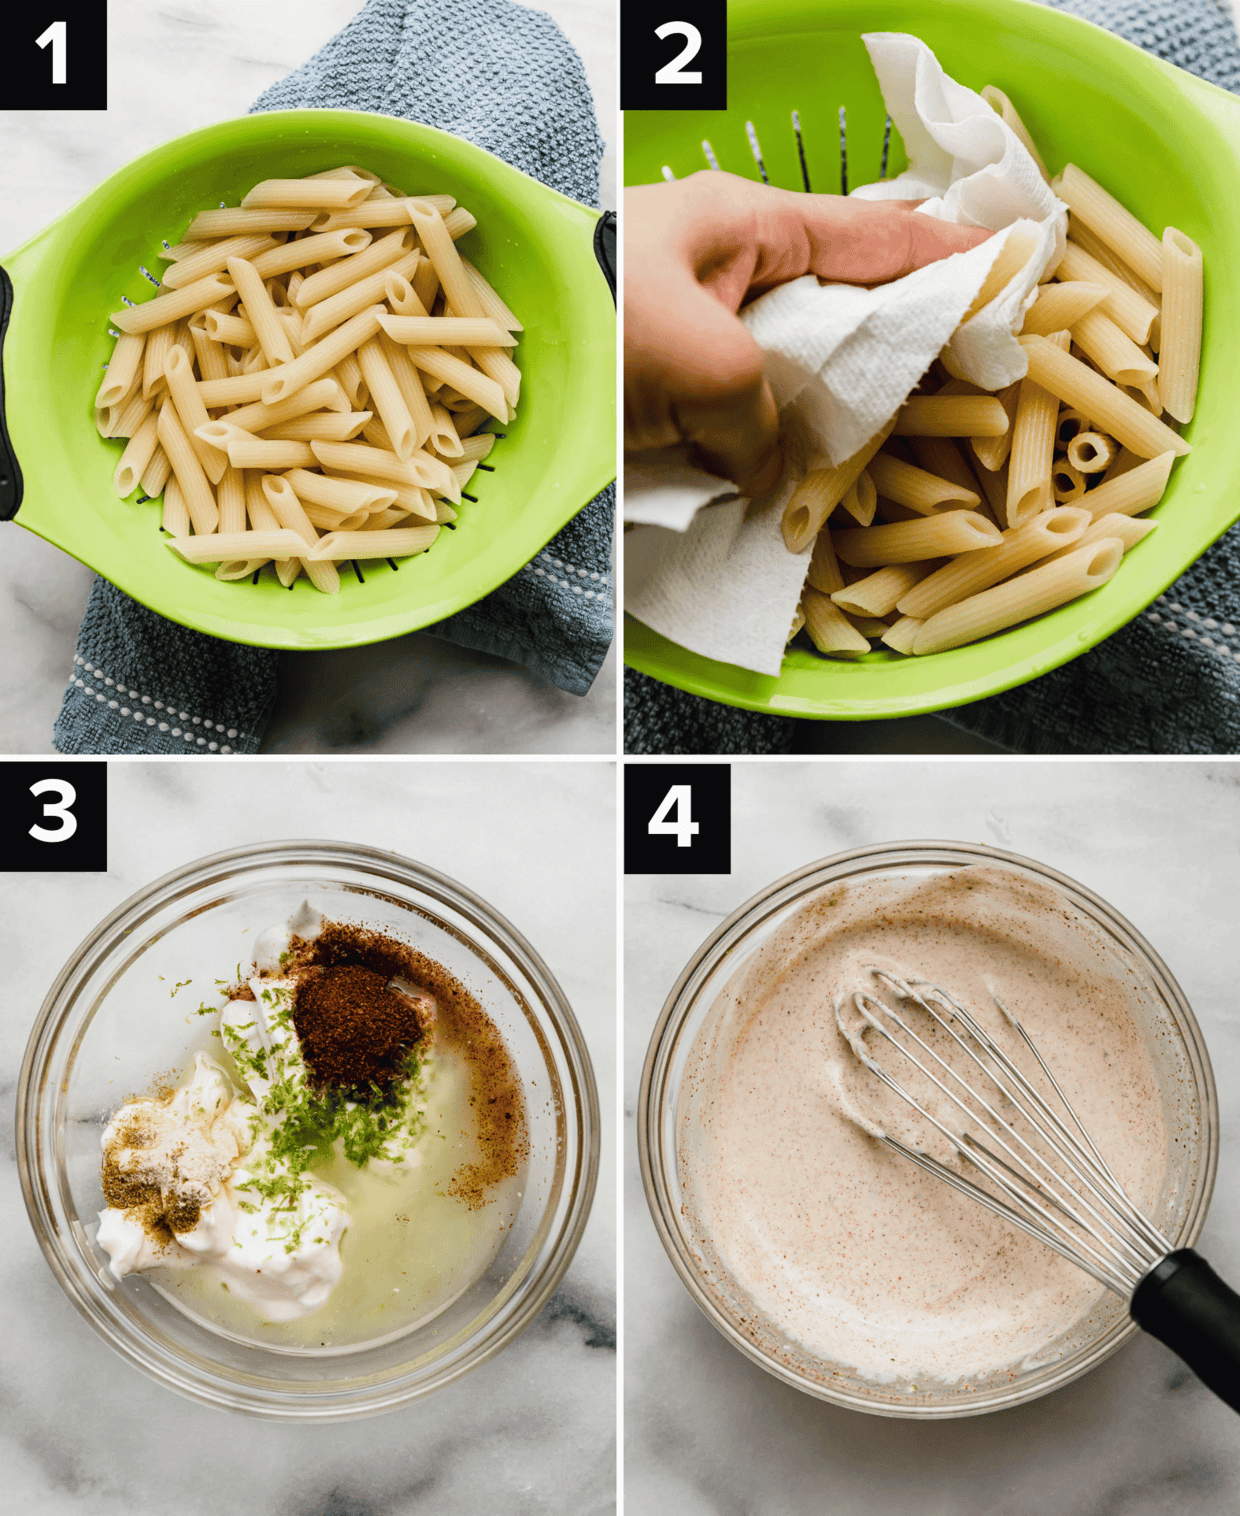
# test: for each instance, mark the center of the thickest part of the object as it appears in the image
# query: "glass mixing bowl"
(1182, 1072)
(111, 1024)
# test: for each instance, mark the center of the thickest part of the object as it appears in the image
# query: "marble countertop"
(83, 1434)
(415, 694)
(707, 1432)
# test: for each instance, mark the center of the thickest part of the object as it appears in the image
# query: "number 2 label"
(673, 72)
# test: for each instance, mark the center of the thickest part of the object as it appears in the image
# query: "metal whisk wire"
(1119, 1244)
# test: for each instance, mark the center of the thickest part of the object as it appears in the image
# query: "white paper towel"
(666, 487)
(841, 361)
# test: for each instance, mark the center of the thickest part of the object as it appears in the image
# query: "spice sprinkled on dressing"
(822, 1240)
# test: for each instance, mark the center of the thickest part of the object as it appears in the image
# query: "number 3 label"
(58, 810)
(673, 72)
(680, 799)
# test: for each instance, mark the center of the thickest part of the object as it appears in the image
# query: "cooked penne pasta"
(992, 452)
(1002, 106)
(1032, 594)
(914, 541)
(1129, 529)
(910, 486)
(1109, 220)
(878, 593)
(395, 542)
(175, 517)
(448, 331)
(951, 416)
(214, 256)
(1097, 248)
(1091, 452)
(1113, 411)
(824, 569)
(1067, 482)
(378, 256)
(1115, 353)
(199, 496)
(298, 194)
(1059, 306)
(829, 628)
(324, 355)
(901, 634)
(441, 251)
(1133, 491)
(387, 399)
(1033, 445)
(821, 491)
(1180, 351)
(124, 368)
(191, 412)
(137, 455)
(170, 307)
(220, 546)
(1131, 312)
(232, 223)
(336, 309)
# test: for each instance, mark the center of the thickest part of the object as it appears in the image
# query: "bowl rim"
(654, 1093)
(65, 1254)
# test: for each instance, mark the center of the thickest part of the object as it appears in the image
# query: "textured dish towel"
(1169, 682)
(505, 78)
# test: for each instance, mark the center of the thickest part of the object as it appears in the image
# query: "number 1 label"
(48, 64)
(56, 36)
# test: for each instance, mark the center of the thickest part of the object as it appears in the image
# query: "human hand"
(694, 251)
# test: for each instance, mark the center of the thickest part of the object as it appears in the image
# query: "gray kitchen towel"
(1169, 681)
(507, 79)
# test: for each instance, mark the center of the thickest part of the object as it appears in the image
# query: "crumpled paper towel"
(842, 359)
(666, 487)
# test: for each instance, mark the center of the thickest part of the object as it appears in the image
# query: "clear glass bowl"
(1182, 1071)
(107, 1029)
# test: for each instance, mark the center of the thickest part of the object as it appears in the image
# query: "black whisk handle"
(1185, 1304)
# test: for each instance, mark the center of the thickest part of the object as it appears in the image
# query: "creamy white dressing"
(845, 1248)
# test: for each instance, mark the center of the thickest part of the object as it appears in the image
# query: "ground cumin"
(459, 1022)
(355, 1032)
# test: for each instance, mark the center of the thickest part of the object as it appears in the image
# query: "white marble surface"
(83, 1434)
(211, 59)
(707, 1432)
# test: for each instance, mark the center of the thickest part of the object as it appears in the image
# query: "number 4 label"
(679, 799)
(677, 818)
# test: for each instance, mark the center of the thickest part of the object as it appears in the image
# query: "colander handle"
(1185, 1304)
(605, 248)
(11, 484)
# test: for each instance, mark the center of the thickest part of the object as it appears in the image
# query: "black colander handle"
(11, 484)
(605, 248)
(1185, 1304)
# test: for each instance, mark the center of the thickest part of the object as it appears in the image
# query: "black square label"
(57, 816)
(677, 818)
(55, 57)
(674, 55)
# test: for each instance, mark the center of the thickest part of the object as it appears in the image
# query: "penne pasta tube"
(426, 284)
(235, 331)
(878, 593)
(1070, 424)
(448, 331)
(255, 452)
(868, 626)
(347, 496)
(1129, 529)
(1115, 353)
(394, 212)
(328, 520)
(191, 412)
(387, 399)
(1017, 249)
(236, 389)
(230, 497)
(283, 501)
(321, 426)
(1125, 460)
(156, 475)
(443, 512)
(324, 355)
(1134, 243)
(492, 304)
(941, 457)
(381, 521)
(1180, 351)
(1091, 452)
(994, 483)
(261, 517)
(992, 452)
(1032, 594)
(215, 255)
(170, 307)
(1111, 410)
(829, 628)
(305, 250)
(137, 455)
(239, 568)
(288, 570)
(220, 546)
(469, 381)
(123, 370)
(459, 221)
(436, 238)
(175, 518)
(378, 257)
(976, 571)
(1133, 491)
(237, 222)
(135, 412)
(940, 536)
(821, 491)
(1002, 106)
(261, 313)
(951, 416)
(179, 250)
(901, 635)
(1097, 248)
(912, 487)
(1067, 482)
(159, 344)
(824, 569)
(395, 542)
(443, 438)
(421, 470)
(1033, 445)
(1131, 312)
(308, 194)
(496, 364)
(1059, 307)
(257, 417)
(199, 496)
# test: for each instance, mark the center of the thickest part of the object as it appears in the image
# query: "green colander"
(535, 246)
(1165, 143)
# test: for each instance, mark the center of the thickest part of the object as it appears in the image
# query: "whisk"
(1046, 1176)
